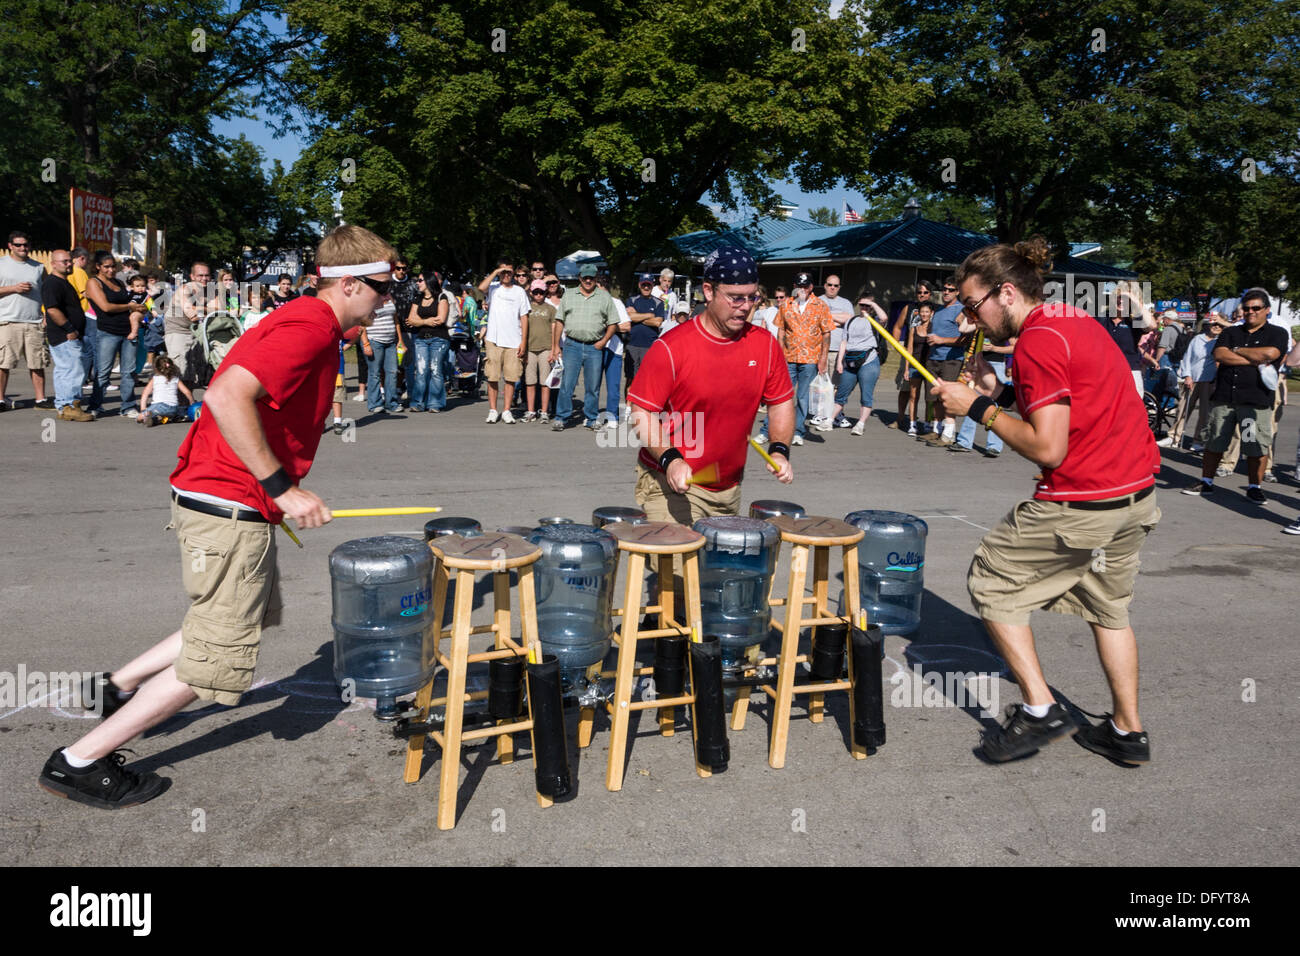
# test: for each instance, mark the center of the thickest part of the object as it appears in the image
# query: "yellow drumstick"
(380, 512)
(766, 457)
(292, 537)
(911, 359)
(705, 476)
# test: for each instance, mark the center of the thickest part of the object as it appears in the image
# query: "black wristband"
(978, 407)
(1007, 397)
(668, 457)
(779, 448)
(276, 483)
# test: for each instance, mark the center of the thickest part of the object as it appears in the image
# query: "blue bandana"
(730, 265)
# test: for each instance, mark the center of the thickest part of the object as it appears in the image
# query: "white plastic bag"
(821, 397)
(557, 373)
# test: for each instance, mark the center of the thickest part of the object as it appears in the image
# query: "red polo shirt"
(711, 388)
(294, 353)
(1063, 353)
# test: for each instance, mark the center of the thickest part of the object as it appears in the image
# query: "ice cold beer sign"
(92, 220)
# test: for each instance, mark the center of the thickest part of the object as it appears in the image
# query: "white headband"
(365, 269)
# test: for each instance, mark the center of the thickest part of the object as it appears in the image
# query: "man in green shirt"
(588, 316)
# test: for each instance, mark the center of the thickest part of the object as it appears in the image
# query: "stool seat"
(816, 530)
(656, 537)
(496, 551)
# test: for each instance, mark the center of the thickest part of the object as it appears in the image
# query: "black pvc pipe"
(711, 747)
(828, 651)
(506, 688)
(868, 650)
(670, 665)
(549, 746)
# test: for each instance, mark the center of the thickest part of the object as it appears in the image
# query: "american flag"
(850, 215)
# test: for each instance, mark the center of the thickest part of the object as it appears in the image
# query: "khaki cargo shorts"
(23, 342)
(661, 503)
(229, 572)
(1256, 426)
(1046, 555)
(497, 358)
(539, 367)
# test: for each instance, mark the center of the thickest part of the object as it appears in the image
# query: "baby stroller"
(466, 360)
(217, 334)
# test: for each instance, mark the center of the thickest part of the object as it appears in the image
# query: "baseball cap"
(537, 284)
(803, 278)
(587, 270)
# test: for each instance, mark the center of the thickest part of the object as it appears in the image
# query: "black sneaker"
(1202, 488)
(106, 783)
(49, 403)
(108, 697)
(1133, 748)
(1256, 495)
(958, 448)
(1023, 735)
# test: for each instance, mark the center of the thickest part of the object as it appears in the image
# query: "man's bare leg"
(1015, 642)
(153, 661)
(157, 699)
(1119, 659)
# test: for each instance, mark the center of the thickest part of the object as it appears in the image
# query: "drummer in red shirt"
(697, 392)
(1072, 548)
(238, 477)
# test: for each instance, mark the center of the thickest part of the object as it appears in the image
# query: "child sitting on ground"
(163, 389)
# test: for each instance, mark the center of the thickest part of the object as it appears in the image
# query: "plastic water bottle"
(383, 623)
(891, 568)
(736, 565)
(574, 583)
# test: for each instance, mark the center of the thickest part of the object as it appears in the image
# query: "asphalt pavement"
(294, 775)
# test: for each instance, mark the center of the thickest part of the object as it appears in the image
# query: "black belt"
(217, 511)
(581, 342)
(1113, 503)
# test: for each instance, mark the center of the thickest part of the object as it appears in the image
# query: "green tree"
(824, 216)
(1066, 116)
(604, 121)
(121, 97)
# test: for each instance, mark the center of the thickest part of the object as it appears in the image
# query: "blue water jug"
(574, 583)
(383, 623)
(736, 565)
(891, 568)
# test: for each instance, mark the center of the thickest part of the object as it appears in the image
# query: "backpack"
(1175, 354)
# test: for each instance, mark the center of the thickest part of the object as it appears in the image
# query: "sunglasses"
(382, 286)
(972, 310)
(1254, 308)
(864, 305)
(537, 292)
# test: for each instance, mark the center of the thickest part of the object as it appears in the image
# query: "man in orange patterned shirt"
(803, 327)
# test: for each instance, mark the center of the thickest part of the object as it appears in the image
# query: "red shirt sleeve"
(777, 388)
(290, 352)
(1042, 363)
(654, 379)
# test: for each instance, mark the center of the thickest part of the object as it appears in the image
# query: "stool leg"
(501, 621)
(625, 674)
(821, 575)
(852, 609)
(789, 651)
(694, 617)
(666, 714)
(528, 634)
(586, 725)
(741, 707)
(451, 728)
(415, 744)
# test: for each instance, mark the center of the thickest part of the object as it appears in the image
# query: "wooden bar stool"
(498, 553)
(816, 535)
(664, 539)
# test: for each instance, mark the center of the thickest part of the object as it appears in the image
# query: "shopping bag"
(557, 373)
(821, 397)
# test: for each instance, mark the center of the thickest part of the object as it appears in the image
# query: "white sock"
(75, 762)
(1122, 733)
(1252, 486)
(337, 420)
(1038, 711)
(950, 431)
